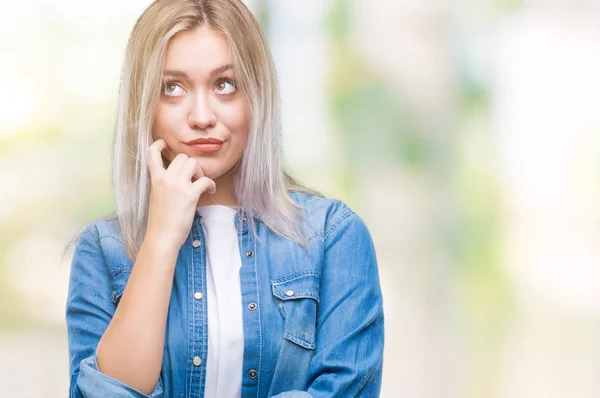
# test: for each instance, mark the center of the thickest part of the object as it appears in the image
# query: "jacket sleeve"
(350, 325)
(89, 310)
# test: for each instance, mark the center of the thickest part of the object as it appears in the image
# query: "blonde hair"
(261, 184)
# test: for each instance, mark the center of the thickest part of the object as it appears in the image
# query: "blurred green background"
(465, 134)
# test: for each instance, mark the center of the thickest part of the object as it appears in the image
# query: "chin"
(212, 175)
(211, 172)
(214, 168)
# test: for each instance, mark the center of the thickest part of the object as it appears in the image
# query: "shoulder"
(327, 217)
(103, 239)
(109, 227)
(97, 230)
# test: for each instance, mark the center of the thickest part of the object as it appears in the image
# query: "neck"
(224, 195)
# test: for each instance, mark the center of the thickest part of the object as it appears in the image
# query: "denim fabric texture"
(313, 320)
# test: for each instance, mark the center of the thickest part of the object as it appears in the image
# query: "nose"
(202, 115)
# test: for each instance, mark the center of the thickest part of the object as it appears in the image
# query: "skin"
(131, 349)
(203, 103)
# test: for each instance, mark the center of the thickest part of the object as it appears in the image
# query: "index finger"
(153, 156)
(199, 173)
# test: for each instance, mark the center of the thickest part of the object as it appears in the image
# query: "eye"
(225, 86)
(172, 89)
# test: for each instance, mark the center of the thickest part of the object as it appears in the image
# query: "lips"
(205, 145)
(209, 140)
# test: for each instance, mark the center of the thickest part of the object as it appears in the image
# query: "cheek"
(166, 120)
(165, 124)
(237, 121)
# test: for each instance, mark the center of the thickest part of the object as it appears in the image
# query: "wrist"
(160, 244)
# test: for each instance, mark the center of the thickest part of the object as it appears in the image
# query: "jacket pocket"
(298, 298)
(118, 282)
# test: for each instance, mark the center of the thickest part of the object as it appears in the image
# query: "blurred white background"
(466, 134)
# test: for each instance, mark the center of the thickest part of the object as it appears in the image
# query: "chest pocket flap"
(298, 297)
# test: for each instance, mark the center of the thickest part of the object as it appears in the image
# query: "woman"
(219, 275)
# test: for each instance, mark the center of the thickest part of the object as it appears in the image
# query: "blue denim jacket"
(324, 340)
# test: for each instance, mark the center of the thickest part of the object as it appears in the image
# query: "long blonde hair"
(261, 184)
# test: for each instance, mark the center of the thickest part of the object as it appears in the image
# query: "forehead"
(197, 52)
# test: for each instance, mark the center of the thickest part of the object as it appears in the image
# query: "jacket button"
(196, 243)
(244, 220)
(198, 296)
(252, 306)
(250, 254)
(197, 361)
(252, 374)
(289, 293)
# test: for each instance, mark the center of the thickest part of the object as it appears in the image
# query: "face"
(200, 100)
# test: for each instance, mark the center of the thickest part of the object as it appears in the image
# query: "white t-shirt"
(225, 327)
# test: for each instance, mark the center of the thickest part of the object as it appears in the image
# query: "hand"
(174, 194)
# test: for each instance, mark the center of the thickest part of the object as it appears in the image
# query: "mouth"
(205, 145)
(205, 148)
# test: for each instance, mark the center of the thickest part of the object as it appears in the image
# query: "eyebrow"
(182, 74)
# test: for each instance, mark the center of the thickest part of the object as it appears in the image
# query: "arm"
(130, 338)
(116, 352)
(350, 328)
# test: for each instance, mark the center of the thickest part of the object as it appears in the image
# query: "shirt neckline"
(216, 211)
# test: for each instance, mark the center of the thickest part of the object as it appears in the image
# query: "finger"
(174, 168)
(199, 173)
(188, 169)
(205, 184)
(153, 157)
